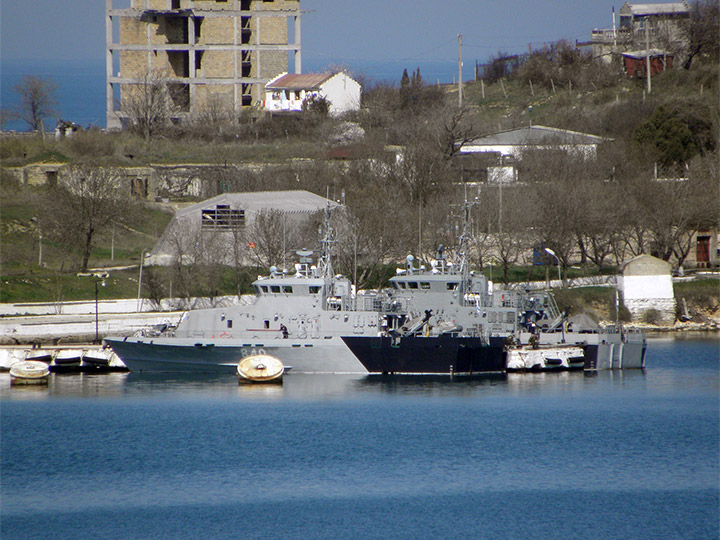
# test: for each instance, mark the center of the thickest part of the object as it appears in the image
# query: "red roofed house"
(289, 91)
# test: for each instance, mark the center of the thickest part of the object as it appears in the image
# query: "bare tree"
(671, 212)
(700, 30)
(148, 103)
(559, 200)
(87, 201)
(216, 116)
(37, 100)
(266, 236)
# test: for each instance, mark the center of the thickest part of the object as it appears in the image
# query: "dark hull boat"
(418, 355)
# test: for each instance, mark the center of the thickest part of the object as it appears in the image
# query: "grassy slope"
(24, 280)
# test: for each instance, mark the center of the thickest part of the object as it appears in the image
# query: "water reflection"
(428, 384)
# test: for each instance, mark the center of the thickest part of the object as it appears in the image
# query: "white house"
(508, 146)
(289, 91)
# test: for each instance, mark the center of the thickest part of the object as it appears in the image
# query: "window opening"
(222, 217)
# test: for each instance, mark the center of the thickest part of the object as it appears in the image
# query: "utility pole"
(647, 54)
(460, 88)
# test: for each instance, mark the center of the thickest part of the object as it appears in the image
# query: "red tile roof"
(300, 81)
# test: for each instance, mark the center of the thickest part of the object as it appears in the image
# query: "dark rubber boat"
(417, 355)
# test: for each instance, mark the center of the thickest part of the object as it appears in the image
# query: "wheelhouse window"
(451, 286)
(412, 285)
(222, 218)
(275, 288)
(424, 285)
(287, 289)
(402, 284)
(264, 288)
(314, 289)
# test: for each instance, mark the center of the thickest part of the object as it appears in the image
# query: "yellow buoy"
(29, 372)
(260, 368)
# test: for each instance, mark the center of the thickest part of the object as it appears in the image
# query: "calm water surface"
(569, 455)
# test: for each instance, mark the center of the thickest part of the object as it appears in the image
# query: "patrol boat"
(297, 317)
(450, 301)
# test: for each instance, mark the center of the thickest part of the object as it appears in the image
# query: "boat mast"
(326, 241)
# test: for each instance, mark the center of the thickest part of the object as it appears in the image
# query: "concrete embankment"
(55, 329)
(75, 322)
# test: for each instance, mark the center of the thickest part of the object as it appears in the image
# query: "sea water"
(610, 455)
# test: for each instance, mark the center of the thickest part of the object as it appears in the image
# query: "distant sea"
(80, 91)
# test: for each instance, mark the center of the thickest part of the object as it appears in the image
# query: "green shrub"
(652, 316)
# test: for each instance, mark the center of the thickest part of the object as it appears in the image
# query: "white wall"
(635, 287)
(342, 92)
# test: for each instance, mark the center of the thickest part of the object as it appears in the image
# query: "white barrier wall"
(646, 283)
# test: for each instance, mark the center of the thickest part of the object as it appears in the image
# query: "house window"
(222, 218)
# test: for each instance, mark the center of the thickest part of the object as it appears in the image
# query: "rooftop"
(299, 81)
(536, 135)
(291, 201)
(641, 10)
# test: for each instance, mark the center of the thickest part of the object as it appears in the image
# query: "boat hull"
(427, 355)
(222, 355)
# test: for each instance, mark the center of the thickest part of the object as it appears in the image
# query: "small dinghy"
(29, 372)
(553, 363)
(576, 362)
(260, 368)
(96, 359)
(66, 361)
(39, 355)
(68, 357)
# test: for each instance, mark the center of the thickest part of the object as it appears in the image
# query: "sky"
(334, 31)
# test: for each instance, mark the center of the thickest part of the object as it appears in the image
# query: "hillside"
(421, 120)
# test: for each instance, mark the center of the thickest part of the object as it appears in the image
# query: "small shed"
(646, 284)
(289, 91)
(635, 62)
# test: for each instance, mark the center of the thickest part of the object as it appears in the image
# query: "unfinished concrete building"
(210, 55)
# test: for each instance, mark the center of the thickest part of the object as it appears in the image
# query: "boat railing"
(378, 303)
